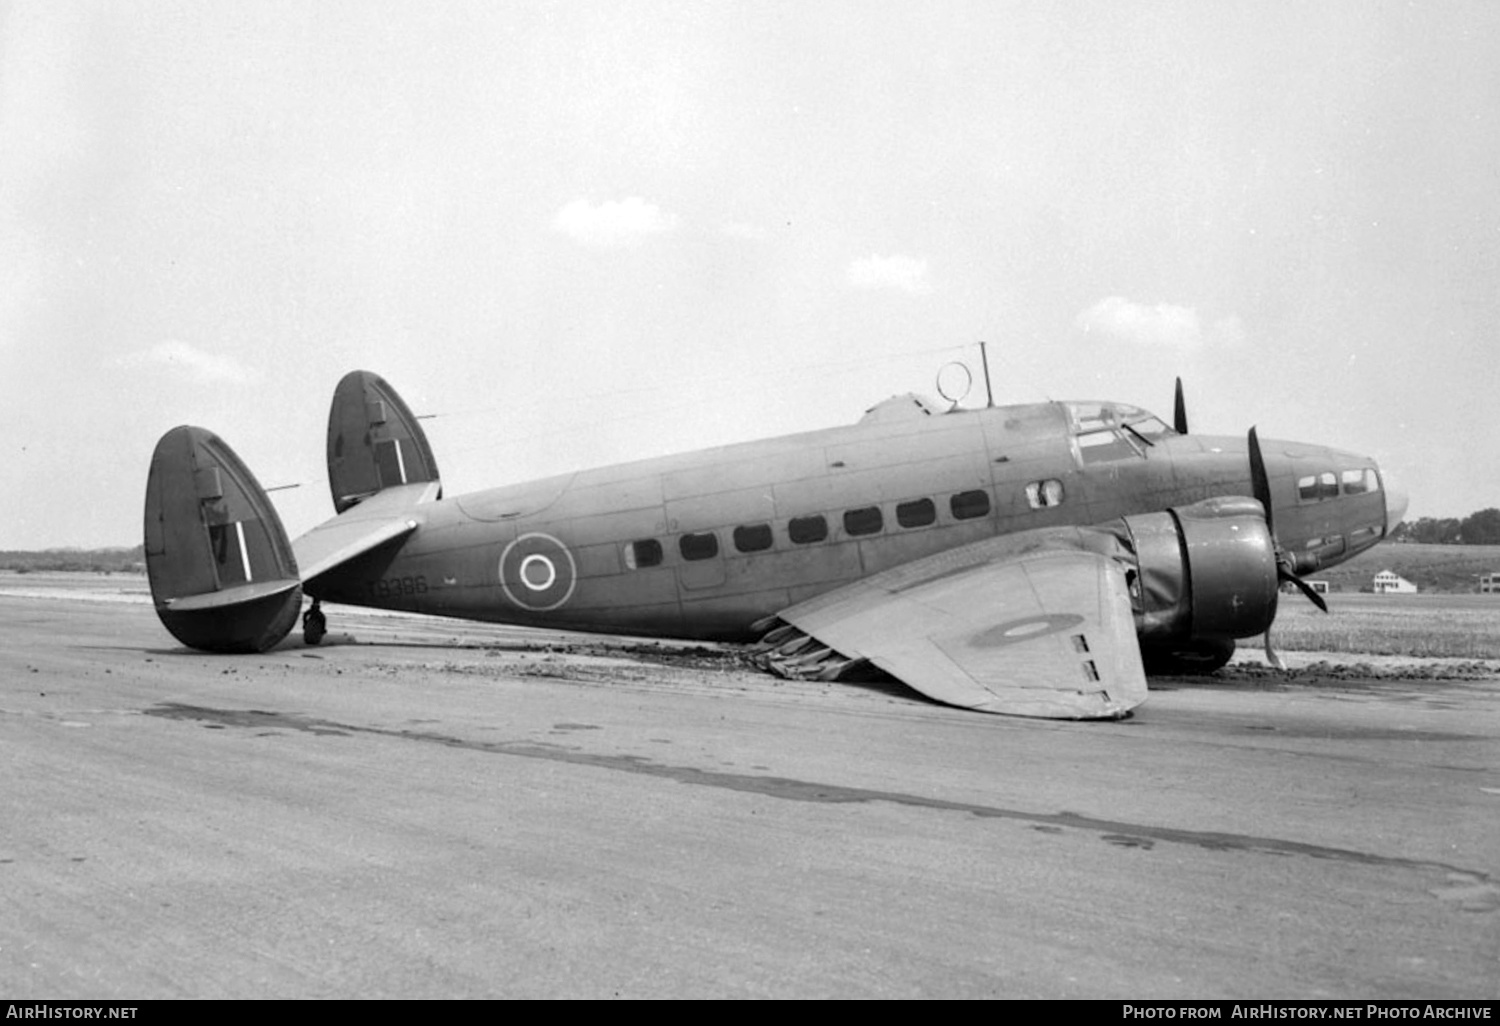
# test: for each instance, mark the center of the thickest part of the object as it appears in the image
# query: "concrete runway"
(421, 808)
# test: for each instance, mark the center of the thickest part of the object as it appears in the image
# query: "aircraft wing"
(1034, 624)
(386, 515)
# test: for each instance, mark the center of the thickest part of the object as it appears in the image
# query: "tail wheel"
(314, 625)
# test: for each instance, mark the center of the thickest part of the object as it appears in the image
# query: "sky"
(578, 233)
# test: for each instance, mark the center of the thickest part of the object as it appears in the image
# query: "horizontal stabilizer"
(239, 595)
(383, 517)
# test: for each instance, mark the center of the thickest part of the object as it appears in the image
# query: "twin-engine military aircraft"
(1031, 560)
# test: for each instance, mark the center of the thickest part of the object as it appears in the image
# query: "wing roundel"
(1033, 624)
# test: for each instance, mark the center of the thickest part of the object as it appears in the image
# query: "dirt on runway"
(421, 808)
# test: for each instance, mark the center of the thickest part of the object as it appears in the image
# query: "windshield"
(1114, 431)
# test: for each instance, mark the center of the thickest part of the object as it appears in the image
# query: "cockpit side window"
(1103, 446)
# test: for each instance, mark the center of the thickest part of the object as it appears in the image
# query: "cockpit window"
(1114, 431)
(1087, 417)
(1102, 446)
(1150, 426)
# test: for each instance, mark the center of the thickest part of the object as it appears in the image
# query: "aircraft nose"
(1395, 502)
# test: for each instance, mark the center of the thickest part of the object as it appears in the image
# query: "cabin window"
(968, 505)
(865, 520)
(699, 546)
(1315, 488)
(1358, 482)
(1041, 494)
(806, 530)
(643, 553)
(752, 538)
(916, 513)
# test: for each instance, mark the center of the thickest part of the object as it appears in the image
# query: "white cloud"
(1161, 325)
(190, 362)
(613, 222)
(909, 274)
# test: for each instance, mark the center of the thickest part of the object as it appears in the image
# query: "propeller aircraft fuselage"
(1011, 559)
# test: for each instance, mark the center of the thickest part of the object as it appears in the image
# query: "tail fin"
(222, 572)
(374, 441)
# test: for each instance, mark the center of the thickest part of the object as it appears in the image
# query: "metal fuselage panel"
(561, 552)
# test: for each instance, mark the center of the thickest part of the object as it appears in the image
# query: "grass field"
(1448, 568)
(1453, 626)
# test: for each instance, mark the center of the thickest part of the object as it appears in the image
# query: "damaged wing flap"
(1000, 626)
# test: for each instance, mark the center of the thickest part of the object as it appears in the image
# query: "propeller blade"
(1179, 411)
(1283, 574)
(1260, 482)
(1272, 656)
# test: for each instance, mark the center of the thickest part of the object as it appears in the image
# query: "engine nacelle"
(1205, 571)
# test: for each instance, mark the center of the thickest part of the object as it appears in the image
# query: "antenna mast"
(989, 393)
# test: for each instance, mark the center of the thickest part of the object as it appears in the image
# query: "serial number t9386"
(397, 587)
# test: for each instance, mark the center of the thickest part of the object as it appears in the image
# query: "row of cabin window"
(1317, 487)
(865, 520)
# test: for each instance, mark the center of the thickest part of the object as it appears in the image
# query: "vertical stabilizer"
(374, 441)
(223, 576)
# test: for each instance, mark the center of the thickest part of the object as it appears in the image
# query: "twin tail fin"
(222, 573)
(224, 577)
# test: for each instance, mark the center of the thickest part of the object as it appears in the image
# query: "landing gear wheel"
(314, 625)
(1202, 657)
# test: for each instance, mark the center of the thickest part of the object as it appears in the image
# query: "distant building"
(1389, 582)
(1489, 584)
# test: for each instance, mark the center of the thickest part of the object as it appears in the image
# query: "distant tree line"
(1480, 528)
(103, 561)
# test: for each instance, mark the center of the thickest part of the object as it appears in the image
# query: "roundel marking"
(1025, 629)
(537, 572)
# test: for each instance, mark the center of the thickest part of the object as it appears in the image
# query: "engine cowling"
(1205, 572)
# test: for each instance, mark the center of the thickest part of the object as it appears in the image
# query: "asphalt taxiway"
(423, 808)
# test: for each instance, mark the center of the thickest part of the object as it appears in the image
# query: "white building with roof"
(1388, 582)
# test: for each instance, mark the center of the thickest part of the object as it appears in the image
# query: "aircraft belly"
(729, 618)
